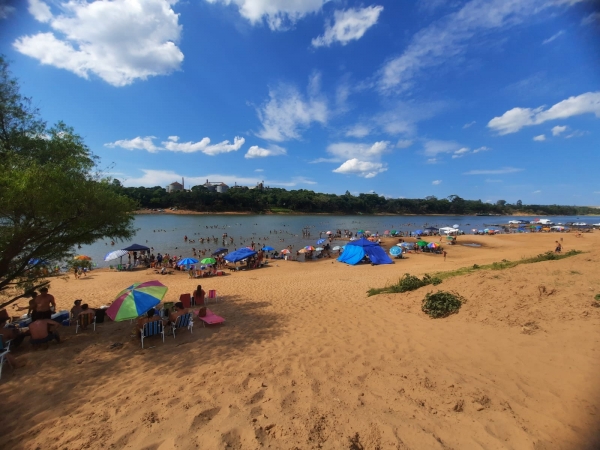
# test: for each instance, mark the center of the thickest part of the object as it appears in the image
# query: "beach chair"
(4, 350)
(186, 299)
(84, 320)
(211, 318)
(152, 329)
(183, 321)
(212, 294)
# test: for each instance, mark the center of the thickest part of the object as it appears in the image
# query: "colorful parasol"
(421, 243)
(433, 245)
(83, 258)
(136, 300)
(285, 251)
(208, 261)
(309, 248)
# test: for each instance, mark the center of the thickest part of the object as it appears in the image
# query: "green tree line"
(277, 200)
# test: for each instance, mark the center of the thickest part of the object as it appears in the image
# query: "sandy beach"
(306, 360)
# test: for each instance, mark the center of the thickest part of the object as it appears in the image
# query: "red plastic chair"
(186, 299)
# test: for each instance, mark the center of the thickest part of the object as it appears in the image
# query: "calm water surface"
(165, 232)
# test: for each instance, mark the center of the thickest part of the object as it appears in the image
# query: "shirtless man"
(178, 310)
(85, 309)
(76, 310)
(150, 317)
(43, 330)
(43, 304)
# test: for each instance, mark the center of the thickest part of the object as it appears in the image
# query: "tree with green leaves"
(52, 196)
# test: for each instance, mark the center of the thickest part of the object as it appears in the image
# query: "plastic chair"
(83, 320)
(4, 350)
(212, 294)
(186, 299)
(183, 321)
(152, 329)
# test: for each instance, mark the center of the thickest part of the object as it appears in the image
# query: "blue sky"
(494, 99)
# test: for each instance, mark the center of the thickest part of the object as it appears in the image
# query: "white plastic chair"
(152, 329)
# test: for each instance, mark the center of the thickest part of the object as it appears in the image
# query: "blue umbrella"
(419, 232)
(267, 248)
(220, 250)
(187, 262)
(409, 245)
(320, 241)
(395, 251)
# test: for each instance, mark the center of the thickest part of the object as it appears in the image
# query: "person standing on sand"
(444, 253)
(558, 247)
(43, 305)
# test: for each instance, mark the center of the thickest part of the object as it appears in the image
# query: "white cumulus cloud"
(349, 150)
(287, 111)
(436, 182)
(138, 143)
(460, 152)
(540, 138)
(349, 25)
(257, 152)
(279, 14)
(119, 41)
(515, 119)
(172, 144)
(553, 37)
(558, 129)
(365, 169)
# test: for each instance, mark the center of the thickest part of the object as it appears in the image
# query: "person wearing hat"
(76, 310)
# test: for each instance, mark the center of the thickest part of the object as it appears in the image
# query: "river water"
(166, 232)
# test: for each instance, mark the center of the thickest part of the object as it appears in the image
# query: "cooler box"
(61, 316)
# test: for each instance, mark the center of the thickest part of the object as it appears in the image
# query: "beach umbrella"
(361, 231)
(337, 247)
(408, 245)
(395, 251)
(285, 251)
(432, 245)
(220, 250)
(207, 260)
(267, 248)
(114, 255)
(187, 261)
(302, 250)
(329, 232)
(421, 243)
(386, 232)
(320, 241)
(455, 225)
(136, 300)
(309, 248)
(83, 258)
(394, 231)
(419, 232)
(319, 249)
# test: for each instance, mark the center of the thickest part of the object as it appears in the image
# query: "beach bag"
(202, 312)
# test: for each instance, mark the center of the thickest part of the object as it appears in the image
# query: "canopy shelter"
(219, 251)
(238, 255)
(356, 250)
(136, 248)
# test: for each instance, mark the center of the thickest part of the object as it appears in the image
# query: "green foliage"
(441, 304)
(52, 198)
(407, 283)
(597, 297)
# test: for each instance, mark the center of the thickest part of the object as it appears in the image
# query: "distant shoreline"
(187, 212)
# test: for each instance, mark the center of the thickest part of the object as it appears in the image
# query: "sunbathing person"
(44, 330)
(150, 317)
(178, 310)
(198, 296)
(85, 309)
(75, 310)
(16, 334)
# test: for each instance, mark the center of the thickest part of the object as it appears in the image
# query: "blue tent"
(356, 250)
(240, 254)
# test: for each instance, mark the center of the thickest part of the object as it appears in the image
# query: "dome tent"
(356, 250)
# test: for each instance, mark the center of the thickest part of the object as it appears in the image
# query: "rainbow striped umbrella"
(136, 300)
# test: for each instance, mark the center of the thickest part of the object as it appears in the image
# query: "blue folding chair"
(152, 329)
(183, 321)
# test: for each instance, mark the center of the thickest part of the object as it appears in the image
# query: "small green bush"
(597, 297)
(441, 304)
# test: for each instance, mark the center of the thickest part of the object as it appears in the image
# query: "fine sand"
(306, 360)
